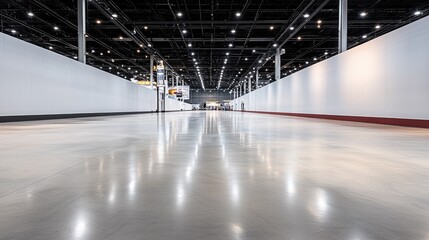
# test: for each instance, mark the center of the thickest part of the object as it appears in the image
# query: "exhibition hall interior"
(214, 119)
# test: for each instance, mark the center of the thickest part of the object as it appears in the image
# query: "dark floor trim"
(420, 123)
(20, 118)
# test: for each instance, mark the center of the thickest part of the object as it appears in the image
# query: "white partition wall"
(36, 81)
(387, 77)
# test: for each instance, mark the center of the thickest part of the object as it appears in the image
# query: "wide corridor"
(212, 175)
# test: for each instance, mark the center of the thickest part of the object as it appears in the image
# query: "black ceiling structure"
(221, 39)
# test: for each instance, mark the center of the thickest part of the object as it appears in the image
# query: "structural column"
(241, 89)
(277, 64)
(249, 85)
(81, 28)
(177, 81)
(151, 71)
(257, 78)
(342, 28)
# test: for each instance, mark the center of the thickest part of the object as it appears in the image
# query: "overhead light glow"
(50, 47)
(227, 53)
(245, 59)
(233, 31)
(230, 45)
(271, 27)
(260, 61)
(363, 14)
(253, 50)
(30, 14)
(417, 13)
(291, 28)
(377, 26)
(364, 36)
(184, 31)
(98, 21)
(145, 27)
(56, 28)
(149, 45)
(13, 31)
(189, 44)
(275, 45)
(192, 53)
(179, 14)
(115, 15)
(299, 38)
(237, 14)
(319, 21)
(306, 15)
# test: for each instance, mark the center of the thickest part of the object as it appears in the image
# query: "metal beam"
(342, 26)
(81, 22)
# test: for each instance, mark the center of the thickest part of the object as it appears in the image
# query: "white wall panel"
(36, 81)
(385, 77)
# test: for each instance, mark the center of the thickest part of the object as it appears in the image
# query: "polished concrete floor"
(212, 175)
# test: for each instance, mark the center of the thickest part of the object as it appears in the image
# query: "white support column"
(257, 78)
(241, 89)
(166, 85)
(249, 85)
(342, 27)
(81, 28)
(177, 81)
(277, 64)
(151, 71)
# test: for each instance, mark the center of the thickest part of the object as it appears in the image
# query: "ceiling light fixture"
(179, 14)
(237, 14)
(30, 14)
(145, 27)
(363, 14)
(98, 21)
(319, 21)
(233, 31)
(56, 28)
(189, 44)
(230, 45)
(417, 13)
(271, 27)
(377, 26)
(115, 15)
(291, 28)
(306, 15)
(184, 31)
(364, 36)
(13, 31)
(275, 45)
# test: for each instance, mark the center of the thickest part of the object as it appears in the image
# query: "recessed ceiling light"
(189, 44)
(115, 15)
(30, 14)
(149, 45)
(192, 53)
(299, 38)
(260, 61)
(271, 27)
(13, 31)
(184, 31)
(237, 14)
(50, 47)
(377, 26)
(291, 28)
(417, 13)
(253, 50)
(145, 27)
(306, 15)
(275, 45)
(56, 28)
(120, 37)
(138, 50)
(98, 21)
(363, 14)
(101, 54)
(179, 14)
(314, 59)
(319, 21)
(245, 59)
(233, 31)
(230, 45)
(108, 51)
(364, 36)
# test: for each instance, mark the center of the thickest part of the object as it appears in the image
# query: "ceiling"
(211, 44)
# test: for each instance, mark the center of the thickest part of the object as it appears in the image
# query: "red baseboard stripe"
(377, 120)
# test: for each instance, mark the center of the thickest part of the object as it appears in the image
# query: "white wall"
(36, 81)
(385, 77)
